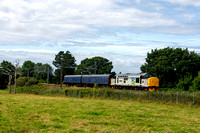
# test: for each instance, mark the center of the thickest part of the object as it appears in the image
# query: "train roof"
(97, 75)
(72, 75)
(94, 75)
(144, 75)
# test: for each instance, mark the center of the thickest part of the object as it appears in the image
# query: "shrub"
(185, 83)
(31, 81)
(96, 86)
(26, 81)
(195, 83)
(21, 81)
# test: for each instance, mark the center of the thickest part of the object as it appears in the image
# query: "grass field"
(36, 113)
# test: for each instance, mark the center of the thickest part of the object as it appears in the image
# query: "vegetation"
(171, 64)
(176, 69)
(168, 97)
(27, 81)
(195, 83)
(28, 68)
(41, 72)
(64, 61)
(33, 113)
(95, 65)
(7, 72)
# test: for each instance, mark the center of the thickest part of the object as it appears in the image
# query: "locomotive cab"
(143, 81)
(153, 83)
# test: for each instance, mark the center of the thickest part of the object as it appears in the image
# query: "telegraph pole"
(95, 67)
(61, 71)
(47, 75)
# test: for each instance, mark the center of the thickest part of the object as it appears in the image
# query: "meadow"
(39, 113)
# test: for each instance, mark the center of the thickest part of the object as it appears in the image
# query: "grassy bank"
(172, 97)
(36, 113)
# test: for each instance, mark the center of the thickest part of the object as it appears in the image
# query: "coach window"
(137, 80)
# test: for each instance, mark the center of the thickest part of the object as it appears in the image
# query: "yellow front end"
(153, 83)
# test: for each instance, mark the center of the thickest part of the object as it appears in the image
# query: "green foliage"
(95, 65)
(68, 64)
(3, 80)
(39, 71)
(6, 66)
(171, 64)
(32, 81)
(21, 81)
(26, 81)
(96, 86)
(161, 96)
(185, 82)
(195, 84)
(52, 92)
(28, 68)
(30, 89)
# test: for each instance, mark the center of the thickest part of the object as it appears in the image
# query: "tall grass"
(187, 98)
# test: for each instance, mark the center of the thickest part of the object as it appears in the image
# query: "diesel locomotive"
(141, 81)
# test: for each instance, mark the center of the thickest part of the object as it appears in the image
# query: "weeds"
(182, 97)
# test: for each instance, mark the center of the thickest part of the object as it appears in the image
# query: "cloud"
(195, 3)
(120, 30)
(55, 20)
(24, 55)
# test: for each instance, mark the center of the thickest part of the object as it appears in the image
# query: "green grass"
(36, 113)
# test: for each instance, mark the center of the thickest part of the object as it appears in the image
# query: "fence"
(188, 98)
(182, 97)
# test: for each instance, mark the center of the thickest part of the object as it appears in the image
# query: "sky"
(123, 31)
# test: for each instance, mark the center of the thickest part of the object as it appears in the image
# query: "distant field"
(35, 113)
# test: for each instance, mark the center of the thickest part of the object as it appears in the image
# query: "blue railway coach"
(101, 79)
(72, 79)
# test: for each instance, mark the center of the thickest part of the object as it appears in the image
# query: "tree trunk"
(15, 81)
(10, 78)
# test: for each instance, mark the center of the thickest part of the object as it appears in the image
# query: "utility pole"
(95, 67)
(47, 75)
(28, 72)
(16, 68)
(61, 71)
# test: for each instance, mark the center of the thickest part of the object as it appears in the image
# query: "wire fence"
(181, 97)
(187, 98)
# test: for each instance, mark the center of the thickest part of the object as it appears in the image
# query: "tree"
(95, 65)
(3, 79)
(171, 64)
(43, 72)
(27, 68)
(7, 70)
(195, 83)
(185, 83)
(65, 64)
(15, 74)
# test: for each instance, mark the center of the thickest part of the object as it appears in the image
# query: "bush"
(195, 83)
(26, 81)
(31, 81)
(185, 83)
(21, 81)
(95, 86)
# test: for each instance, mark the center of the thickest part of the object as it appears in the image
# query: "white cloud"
(185, 2)
(57, 19)
(115, 29)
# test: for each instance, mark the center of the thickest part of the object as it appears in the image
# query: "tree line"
(64, 63)
(175, 67)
